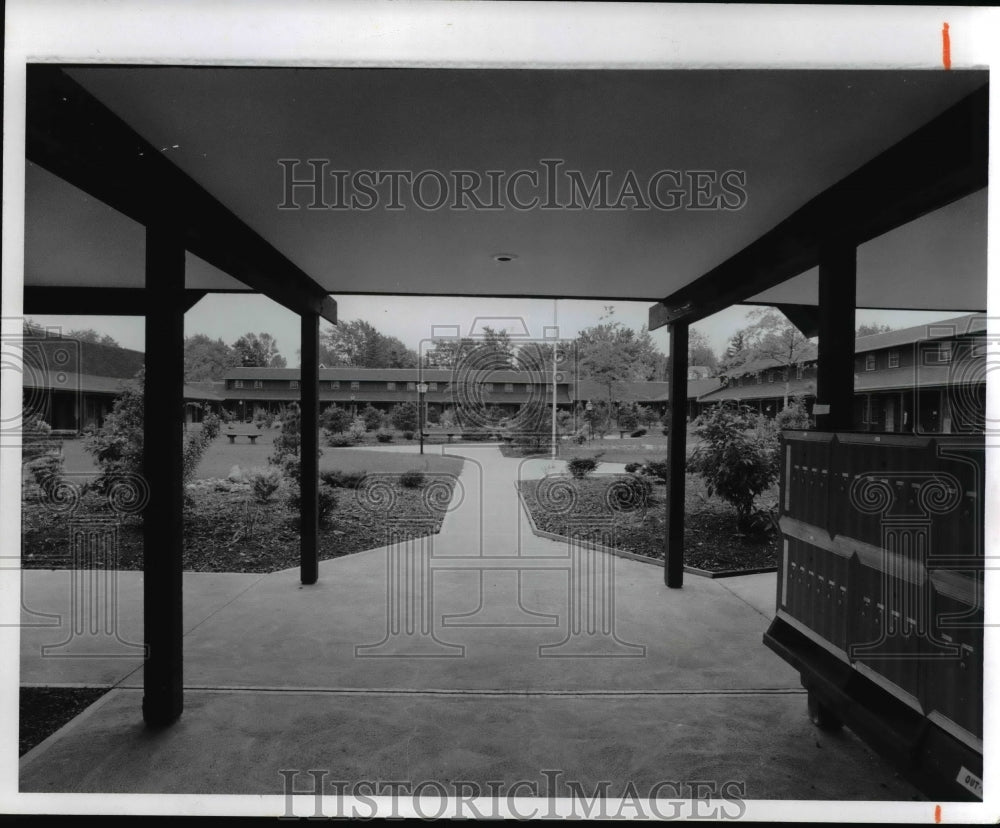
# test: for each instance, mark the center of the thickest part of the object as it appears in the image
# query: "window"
(893, 359)
(527, 388)
(770, 376)
(258, 384)
(488, 386)
(293, 383)
(870, 362)
(799, 370)
(944, 352)
(508, 387)
(355, 385)
(335, 385)
(760, 378)
(411, 386)
(237, 383)
(390, 386)
(432, 386)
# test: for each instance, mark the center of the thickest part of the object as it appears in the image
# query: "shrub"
(357, 430)
(659, 469)
(446, 418)
(36, 438)
(407, 435)
(580, 467)
(475, 435)
(632, 467)
(580, 439)
(628, 418)
(647, 416)
(197, 442)
(639, 432)
(264, 482)
(666, 431)
(794, 415)
(47, 472)
(433, 414)
(335, 420)
(371, 417)
(117, 444)
(327, 502)
(287, 443)
(404, 416)
(412, 479)
(339, 442)
(736, 460)
(384, 436)
(342, 480)
(263, 418)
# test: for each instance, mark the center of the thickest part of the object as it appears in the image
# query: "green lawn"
(222, 456)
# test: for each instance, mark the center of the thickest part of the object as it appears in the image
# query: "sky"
(416, 318)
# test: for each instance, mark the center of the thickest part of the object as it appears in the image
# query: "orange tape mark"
(946, 47)
(937, 808)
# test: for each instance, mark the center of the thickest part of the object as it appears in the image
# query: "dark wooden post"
(835, 363)
(309, 447)
(163, 525)
(676, 456)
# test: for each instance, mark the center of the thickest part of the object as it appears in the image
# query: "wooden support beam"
(943, 161)
(94, 301)
(835, 360)
(676, 456)
(163, 527)
(309, 448)
(73, 135)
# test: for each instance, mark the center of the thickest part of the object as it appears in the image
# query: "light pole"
(421, 390)
(590, 417)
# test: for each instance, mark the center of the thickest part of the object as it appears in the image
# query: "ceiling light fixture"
(504, 257)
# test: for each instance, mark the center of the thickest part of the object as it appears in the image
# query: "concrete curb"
(632, 556)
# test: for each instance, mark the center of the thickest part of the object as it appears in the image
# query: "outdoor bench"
(232, 435)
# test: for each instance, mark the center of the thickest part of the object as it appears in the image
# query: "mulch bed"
(227, 531)
(43, 710)
(711, 541)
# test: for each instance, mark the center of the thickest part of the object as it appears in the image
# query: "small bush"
(338, 441)
(580, 467)
(407, 435)
(659, 469)
(335, 420)
(357, 430)
(47, 471)
(412, 479)
(632, 467)
(472, 436)
(264, 482)
(639, 432)
(371, 417)
(342, 480)
(384, 436)
(580, 439)
(404, 416)
(327, 502)
(666, 431)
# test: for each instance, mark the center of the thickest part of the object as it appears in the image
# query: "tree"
(448, 353)
(611, 354)
(700, 352)
(207, 359)
(359, 344)
(334, 419)
(498, 346)
(92, 336)
(736, 459)
(772, 338)
(404, 416)
(877, 328)
(258, 351)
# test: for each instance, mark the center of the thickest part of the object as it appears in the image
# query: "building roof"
(72, 382)
(347, 373)
(764, 390)
(970, 323)
(640, 391)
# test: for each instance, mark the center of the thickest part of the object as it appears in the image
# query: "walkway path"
(671, 684)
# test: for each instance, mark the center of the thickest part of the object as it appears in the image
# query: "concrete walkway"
(484, 653)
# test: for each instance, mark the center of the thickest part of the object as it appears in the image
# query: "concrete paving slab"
(236, 743)
(86, 627)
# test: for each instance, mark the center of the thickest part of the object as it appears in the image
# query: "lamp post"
(421, 390)
(590, 418)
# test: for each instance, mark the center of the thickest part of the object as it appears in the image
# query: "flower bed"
(711, 541)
